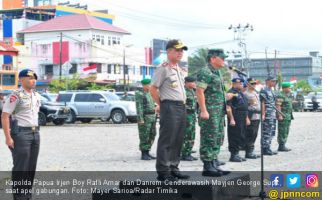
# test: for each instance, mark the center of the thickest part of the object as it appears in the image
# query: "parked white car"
(88, 105)
(308, 106)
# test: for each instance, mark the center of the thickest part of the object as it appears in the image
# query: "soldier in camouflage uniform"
(285, 105)
(146, 119)
(211, 99)
(268, 99)
(190, 132)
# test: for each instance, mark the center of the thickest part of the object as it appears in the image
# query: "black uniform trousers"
(251, 135)
(24, 155)
(172, 130)
(236, 134)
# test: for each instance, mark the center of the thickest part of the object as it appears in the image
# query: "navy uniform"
(236, 133)
(268, 97)
(169, 80)
(23, 107)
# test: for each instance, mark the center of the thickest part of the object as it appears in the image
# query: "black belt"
(173, 102)
(33, 129)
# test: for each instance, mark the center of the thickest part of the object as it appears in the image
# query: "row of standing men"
(175, 97)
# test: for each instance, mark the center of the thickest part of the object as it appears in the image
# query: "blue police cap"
(27, 73)
(237, 80)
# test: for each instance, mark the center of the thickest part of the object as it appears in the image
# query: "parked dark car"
(51, 111)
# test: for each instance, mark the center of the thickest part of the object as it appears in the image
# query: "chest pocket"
(25, 103)
(174, 82)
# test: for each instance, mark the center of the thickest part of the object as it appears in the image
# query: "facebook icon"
(277, 180)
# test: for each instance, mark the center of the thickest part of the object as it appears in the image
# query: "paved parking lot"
(108, 147)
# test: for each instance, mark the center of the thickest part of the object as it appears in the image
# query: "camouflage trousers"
(190, 134)
(147, 132)
(269, 130)
(211, 135)
(283, 130)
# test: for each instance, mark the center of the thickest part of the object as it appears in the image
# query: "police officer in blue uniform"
(20, 126)
(237, 111)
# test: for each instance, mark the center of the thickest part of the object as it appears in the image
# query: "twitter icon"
(293, 180)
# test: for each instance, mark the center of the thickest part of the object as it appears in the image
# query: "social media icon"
(312, 181)
(293, 180)
(277, 180)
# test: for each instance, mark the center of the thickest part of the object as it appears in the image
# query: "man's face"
(175, 55)
(146, 87)
(28, 82)
(287, 90)
(238, 86)
(217, 62)
(271, 83)
(191, 85)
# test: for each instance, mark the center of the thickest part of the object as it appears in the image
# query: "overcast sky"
(288, 26)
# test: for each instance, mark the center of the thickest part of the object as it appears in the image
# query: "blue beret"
(271, 78)
(237, 80)
(27, 73)
(251, 80)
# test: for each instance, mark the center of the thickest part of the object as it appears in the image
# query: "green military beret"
(286, 85)
(146, 81)
(217, 52)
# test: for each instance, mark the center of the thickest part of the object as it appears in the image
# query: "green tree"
(304, 85)
(198, 60)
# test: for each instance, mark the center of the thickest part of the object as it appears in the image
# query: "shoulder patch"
(13, 98)
(165, 64)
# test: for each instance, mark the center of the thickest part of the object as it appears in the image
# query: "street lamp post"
(125, 69)
(239, 35)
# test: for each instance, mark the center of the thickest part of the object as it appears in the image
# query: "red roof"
(73, 22)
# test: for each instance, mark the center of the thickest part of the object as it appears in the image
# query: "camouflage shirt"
(268, 96)
(191, 100)
(285, 101)
(144, 104)
(210, 79)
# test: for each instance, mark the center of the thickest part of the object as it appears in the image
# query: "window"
(64, 97)
(114, 41)
(102, 40)
(118, 41)
(95, 98)
(8, 79)
(98, 38)
(109, 69)
(73, 69)
(117, 69)
(109, 41)
(93, 38)
(82, 97)
(99, 68)
(49, 69)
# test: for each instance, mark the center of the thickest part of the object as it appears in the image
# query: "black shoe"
(251, 155)
(216, 166)
(269, 152)
(179, 175)
(188, 158)
(145, 155)
(283, 148)
(236, 158)
(209, 170)
(167, 178)
(219, 163)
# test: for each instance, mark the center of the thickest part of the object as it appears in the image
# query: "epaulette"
(165, 64)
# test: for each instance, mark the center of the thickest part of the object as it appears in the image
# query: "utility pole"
(239, 35)
(60, 55)
(267, 65)
(124, 70)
